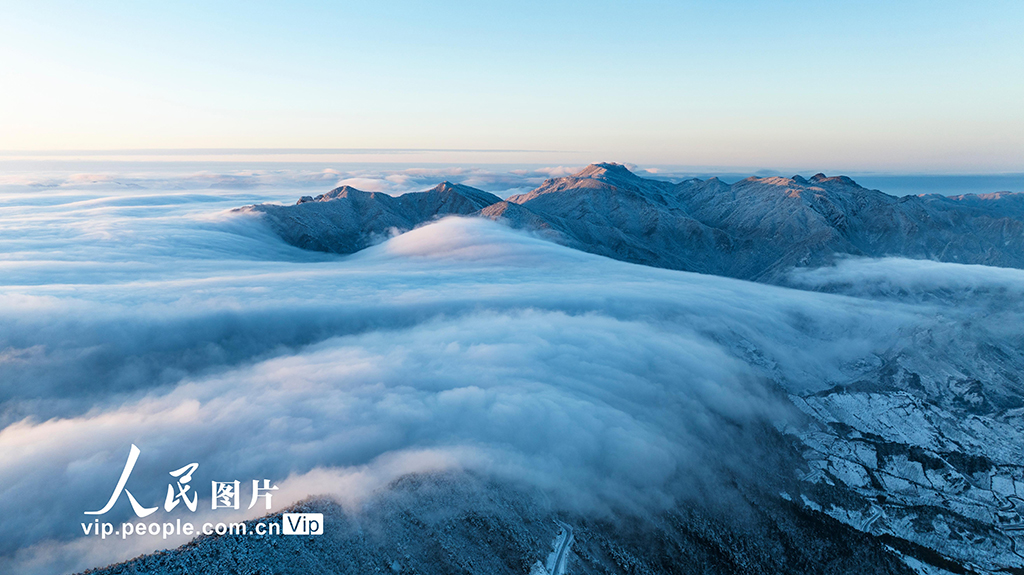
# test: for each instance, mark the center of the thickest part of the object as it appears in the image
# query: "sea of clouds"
(137, 309)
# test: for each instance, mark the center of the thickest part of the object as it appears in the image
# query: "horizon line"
(245, 151)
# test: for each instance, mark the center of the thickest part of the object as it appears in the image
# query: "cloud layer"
(269, 178)
(158, 319)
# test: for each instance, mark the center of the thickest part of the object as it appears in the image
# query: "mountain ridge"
(757, 228)
(346, 219)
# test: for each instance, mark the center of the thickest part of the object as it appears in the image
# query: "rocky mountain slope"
(757, 228)
(346, 220)
(926, 445)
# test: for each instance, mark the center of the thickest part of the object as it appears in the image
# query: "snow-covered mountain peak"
(820, 179)
(818, 182)
(446, 186)
(597, 180)
(606, 171)
(339, 192)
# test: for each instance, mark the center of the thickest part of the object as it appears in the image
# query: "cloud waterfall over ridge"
(460, 345)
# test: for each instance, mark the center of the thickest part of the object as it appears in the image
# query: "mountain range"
(755, 229)
(905, 459)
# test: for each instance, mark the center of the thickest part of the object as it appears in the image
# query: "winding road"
(563, 543)
(876, 514)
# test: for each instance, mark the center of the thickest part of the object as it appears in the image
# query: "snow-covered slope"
(445, 524)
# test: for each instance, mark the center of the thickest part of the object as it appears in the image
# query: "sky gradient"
(918, 87)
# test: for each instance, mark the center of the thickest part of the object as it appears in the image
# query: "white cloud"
(156, 318)
(289, 179)
(904, 278)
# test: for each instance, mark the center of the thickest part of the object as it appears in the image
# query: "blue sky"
(908, 86)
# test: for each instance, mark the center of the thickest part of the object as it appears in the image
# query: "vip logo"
(303, 523)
